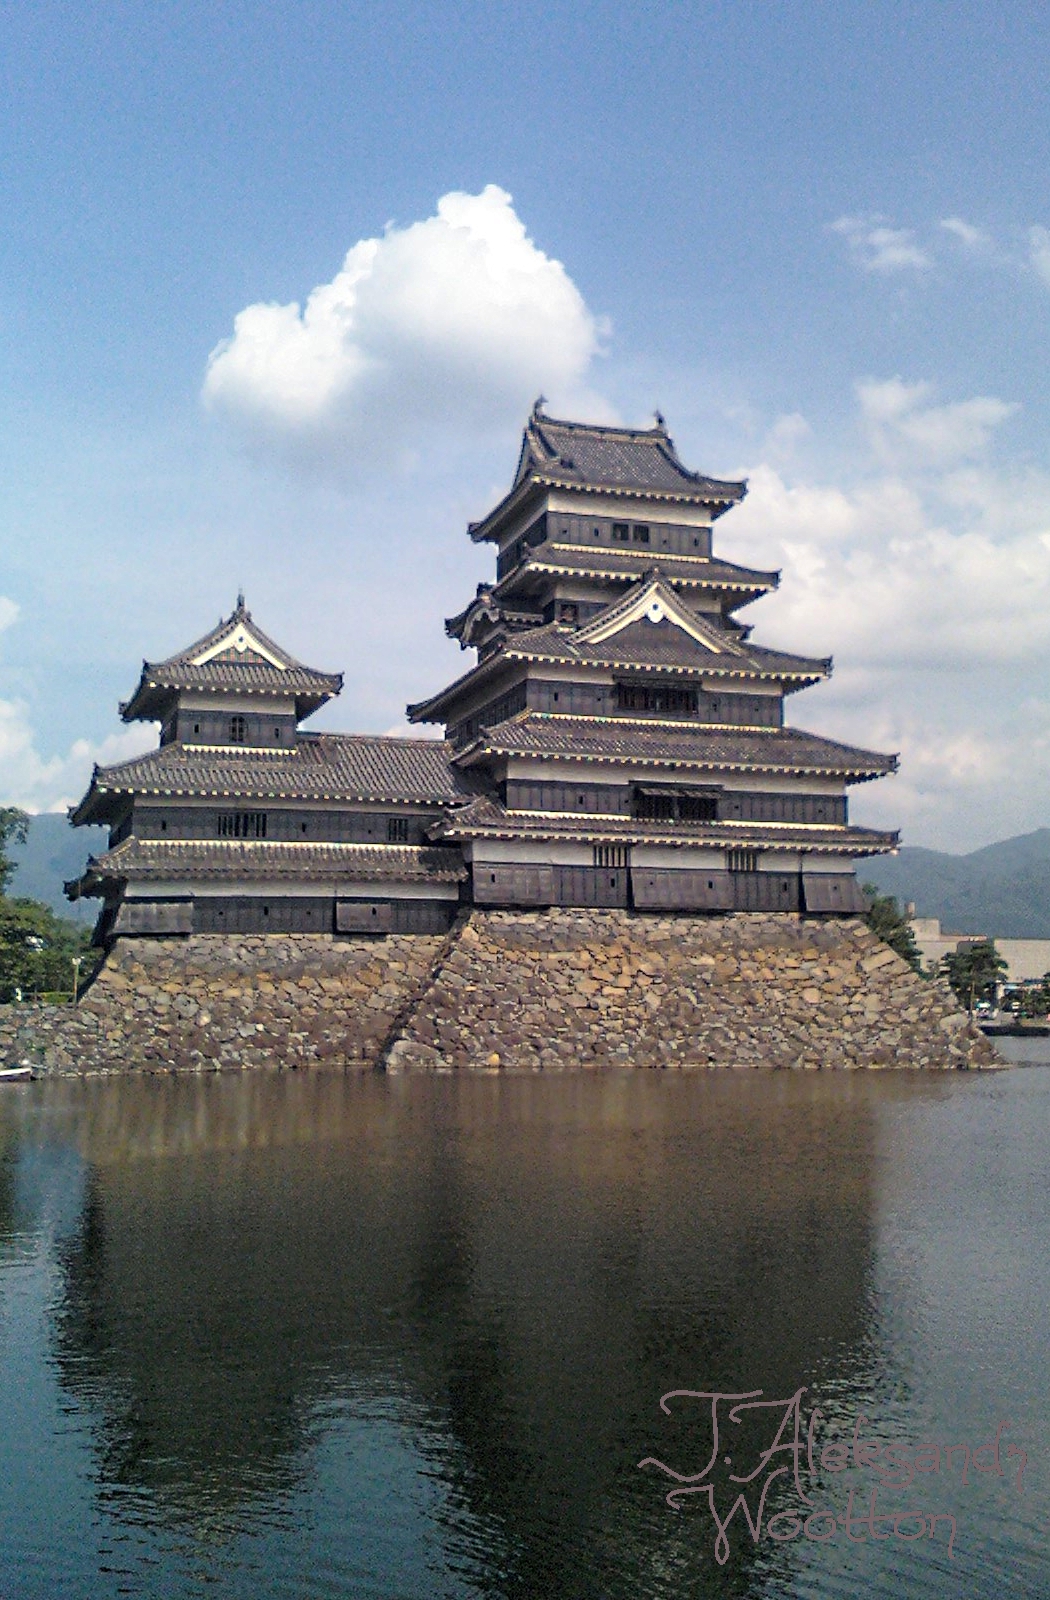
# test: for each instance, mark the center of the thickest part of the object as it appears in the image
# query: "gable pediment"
(239, 643)
(656, 603)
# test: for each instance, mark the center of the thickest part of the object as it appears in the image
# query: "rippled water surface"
(314, 1336)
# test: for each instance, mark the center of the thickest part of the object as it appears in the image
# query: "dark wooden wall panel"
(682, 889)
(833, 892)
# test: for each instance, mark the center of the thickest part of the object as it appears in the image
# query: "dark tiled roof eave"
(158, 684)
(487, 819)
(720, 576)
(171, 860)
(554, 644)
(320, 767)
(674, 652)
(550, 737)
(627, 462)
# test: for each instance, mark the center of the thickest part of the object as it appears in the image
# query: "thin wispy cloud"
(878, 247)
(904, 427)
(973, 238)
(1039, 252)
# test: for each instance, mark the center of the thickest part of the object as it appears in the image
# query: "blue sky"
(816, 236)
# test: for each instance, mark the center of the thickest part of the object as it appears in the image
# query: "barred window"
(238, 730)
(640, 533)
(612, 855)
(655, 807)
(742, 860)
(397, 830)
(621, 532)
(658, 697)
(242, 824)
(697, 808)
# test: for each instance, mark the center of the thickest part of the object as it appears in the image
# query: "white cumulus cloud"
(878, 247)
(8, 612)
(458, 315)
(51, 783)
(927, 577)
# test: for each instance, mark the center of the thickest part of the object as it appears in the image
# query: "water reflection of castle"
(619, 742)
(518, 1268)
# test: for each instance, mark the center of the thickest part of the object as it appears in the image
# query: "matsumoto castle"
(618, 740)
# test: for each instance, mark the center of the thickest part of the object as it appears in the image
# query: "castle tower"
(626, 735)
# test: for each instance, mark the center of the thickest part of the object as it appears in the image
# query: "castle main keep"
(619, 741)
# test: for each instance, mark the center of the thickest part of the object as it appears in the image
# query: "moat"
(317, 1334)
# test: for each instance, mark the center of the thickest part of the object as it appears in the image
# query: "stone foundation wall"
(611, 988)
(229, 1000)
(513, 989)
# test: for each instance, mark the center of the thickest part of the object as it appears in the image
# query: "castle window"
(397, 830)
(654, 807)
(621, 532)
(640, 533)
(612, 855)
(697, 808)
(242, 825)
(163, 825)
(742, 860)
(196, 727)
(238, 730)
(657, 697)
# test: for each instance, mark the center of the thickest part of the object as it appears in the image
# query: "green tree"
(14, 828)
(40, 953)
(885, 917)
(974, 971)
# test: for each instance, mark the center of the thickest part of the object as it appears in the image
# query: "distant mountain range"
(1002, 890)
(53, 853)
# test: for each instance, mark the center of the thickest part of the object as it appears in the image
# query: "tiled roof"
(628, 461)
(240, 671)
(325, 766)
(228, 625)
(656, 646)
(486, 818)
(621, 458)
(161, 860)
(662, 644)
(619, 565)
(245, 676)
(542, 734)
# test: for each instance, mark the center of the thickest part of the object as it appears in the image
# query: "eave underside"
(487, 819)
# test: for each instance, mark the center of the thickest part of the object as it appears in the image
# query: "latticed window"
(242, 824)
(664, 698)
(742, 860)
(612, 855)
(397, 830)
(655, 807)
(238, 730)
